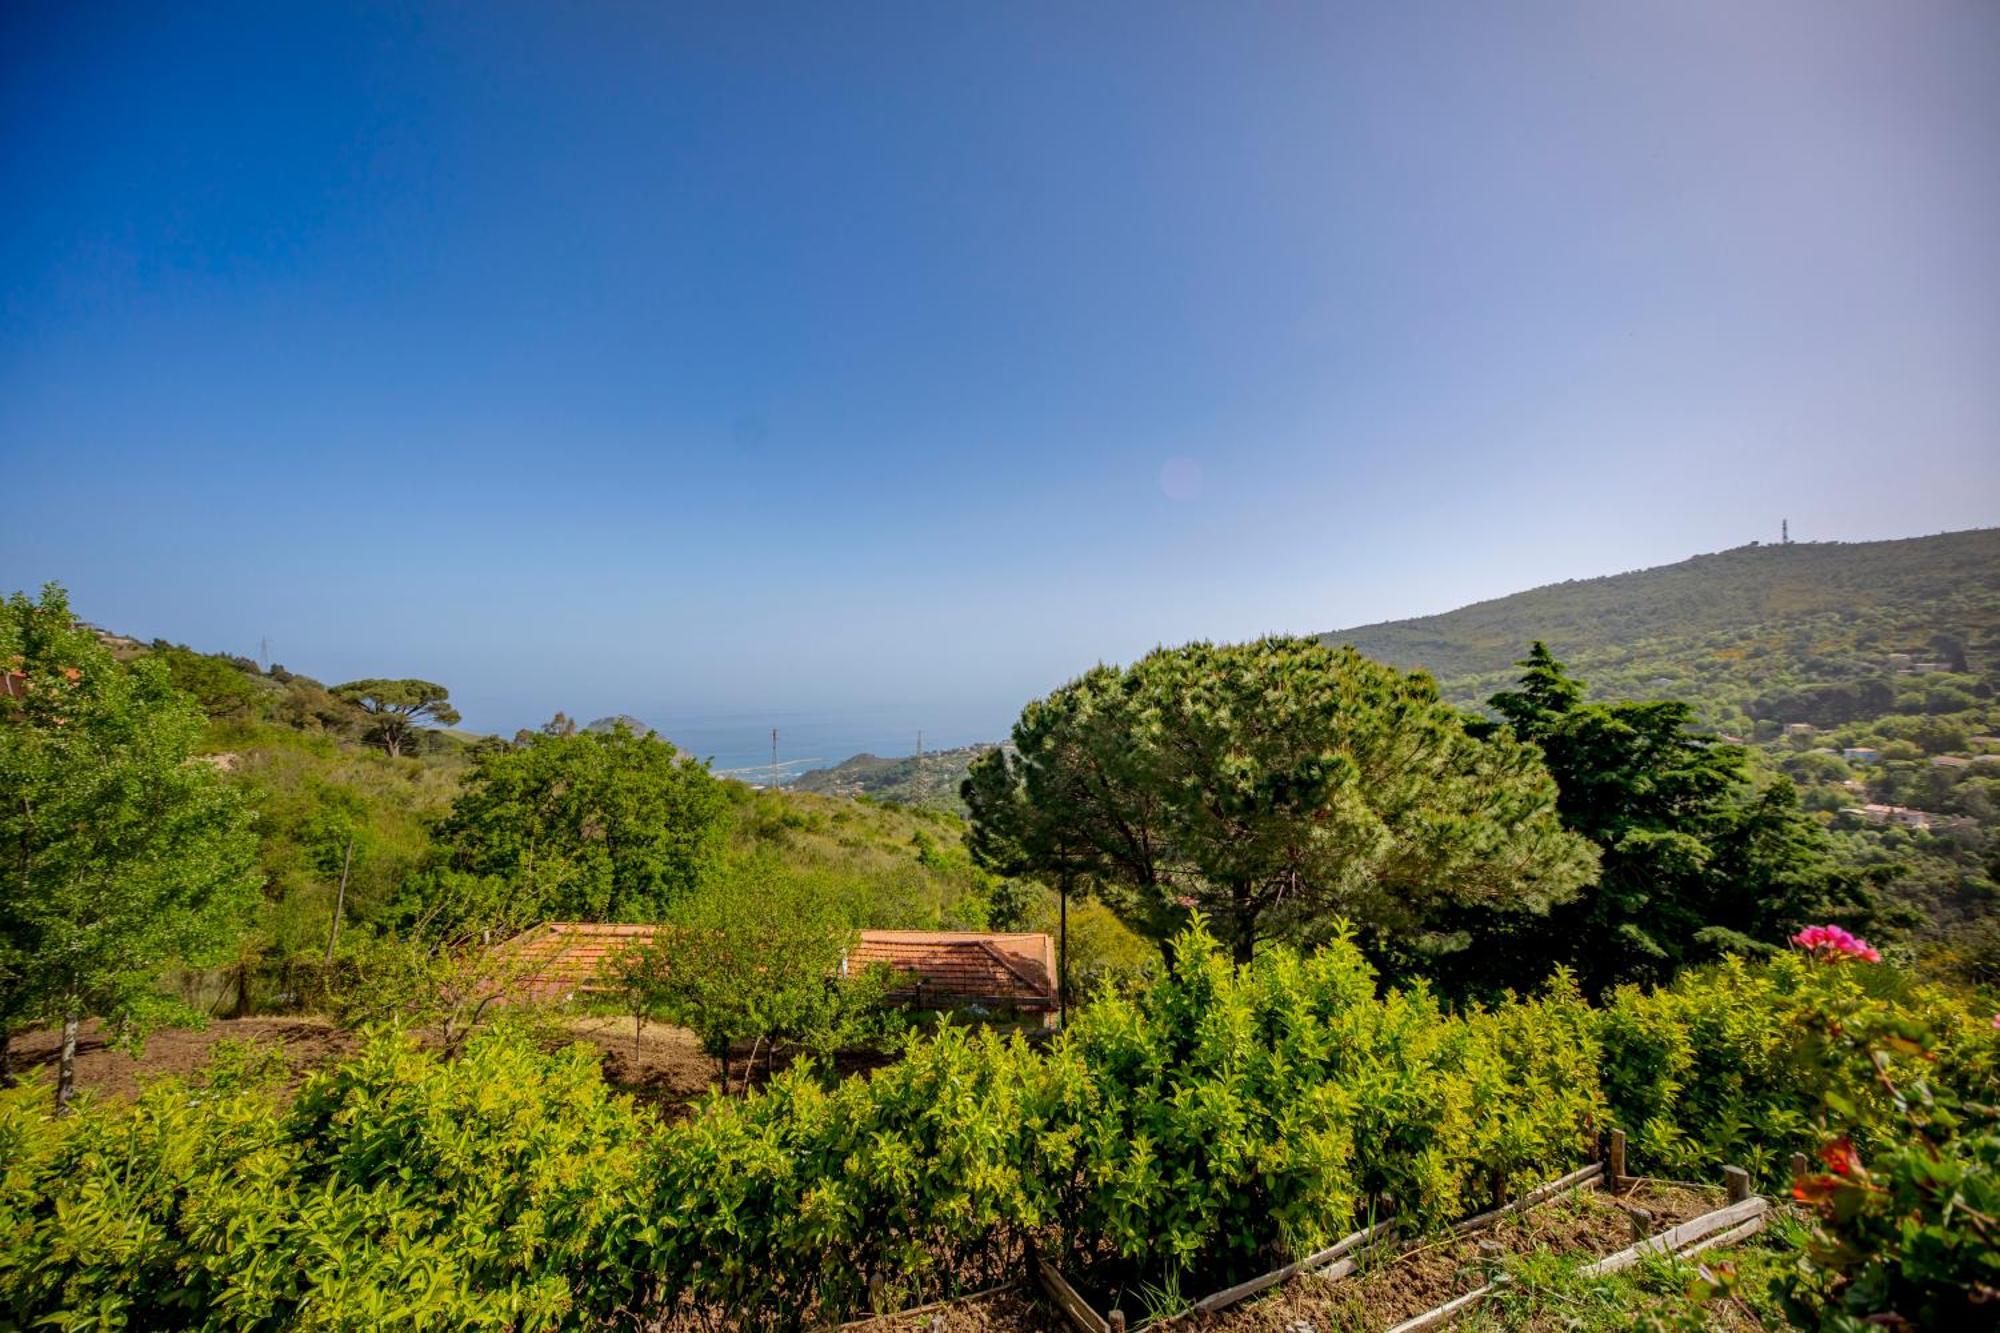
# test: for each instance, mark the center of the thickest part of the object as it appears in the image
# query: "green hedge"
(1217, 1122)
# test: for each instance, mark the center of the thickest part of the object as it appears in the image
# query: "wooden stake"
(1074, 1308)
(1616, 1165)
(339, 900)
(1738, 1181)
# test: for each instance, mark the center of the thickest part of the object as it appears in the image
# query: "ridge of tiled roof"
(1010, 968)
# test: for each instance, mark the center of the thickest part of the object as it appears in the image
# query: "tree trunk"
(724, 1058)
(1245, 943)
(339, 901)
(66, 1064)
(6, 1058)
(242, 1009)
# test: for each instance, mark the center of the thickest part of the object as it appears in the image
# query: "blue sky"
(907, 359)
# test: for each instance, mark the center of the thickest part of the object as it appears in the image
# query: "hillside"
(1728, 629)
(908, 780)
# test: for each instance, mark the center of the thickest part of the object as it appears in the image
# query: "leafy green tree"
(1696, 859)
(217, 685)
(757, 957)
(122, 852)
(1272, 786)
(399, 709)
(592, 826)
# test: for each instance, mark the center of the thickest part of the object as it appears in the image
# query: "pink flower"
(1996, 1022)
(1831, 943)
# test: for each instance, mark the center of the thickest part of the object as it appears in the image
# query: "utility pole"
(264, 654)
(774, 756)
(1784, 532)
(920, 756)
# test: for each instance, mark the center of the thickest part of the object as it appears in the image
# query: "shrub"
(398, 1190)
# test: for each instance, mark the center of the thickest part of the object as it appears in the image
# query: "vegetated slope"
(1721, 628)
(931, 780)
(328, 802)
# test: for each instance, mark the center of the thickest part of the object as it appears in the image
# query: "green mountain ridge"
(1725, 628)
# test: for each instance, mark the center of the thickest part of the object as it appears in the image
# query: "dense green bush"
(1732, 1063)
(1218, 1121)
(399, 1191)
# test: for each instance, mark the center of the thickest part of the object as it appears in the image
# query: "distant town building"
(1860, 754)
(1801, 729)
(1900, 659)
(1951, 761)
(1899, 815)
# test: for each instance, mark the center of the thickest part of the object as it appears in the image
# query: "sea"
(738, 744)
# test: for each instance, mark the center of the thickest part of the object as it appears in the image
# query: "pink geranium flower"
(1832, 943)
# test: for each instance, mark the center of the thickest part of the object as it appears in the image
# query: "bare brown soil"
(1428, 1275)
(104, 1071)
(664, 1067)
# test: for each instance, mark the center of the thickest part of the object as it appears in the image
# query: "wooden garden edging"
(1534, 1197)
(1744, 1216)
(1729, 1220)
(1724, 1226)
(926, 1308)
(1073, 1306)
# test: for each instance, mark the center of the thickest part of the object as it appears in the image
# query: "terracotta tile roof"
(561, 958)
(962, 967)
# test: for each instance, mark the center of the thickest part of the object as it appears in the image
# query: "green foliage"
(219, 686)
(1909, 1205)
(930, 780)
(592, 826)
(1827, 636)
(1696, 860)
(1732, 1063)
(757, 956)
(1269, 785)
(1218, 1122)
(494, 1191)
(400, 710)
(122, 852)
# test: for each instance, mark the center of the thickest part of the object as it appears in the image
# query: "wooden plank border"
(1229, 1296)
(1724, 1226)
(1073, 1306)
(1675, 1239)
(928, 1306)
(1533, 1198)
(1447, 1312)
(1341, 1258)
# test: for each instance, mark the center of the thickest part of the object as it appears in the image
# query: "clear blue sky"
(691, 360)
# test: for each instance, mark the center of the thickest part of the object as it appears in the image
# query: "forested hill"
(908, 780)
(1729, 628)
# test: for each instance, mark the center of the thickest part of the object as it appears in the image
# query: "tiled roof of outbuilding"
(561, 958)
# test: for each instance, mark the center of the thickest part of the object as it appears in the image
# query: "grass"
(1722, 1289)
